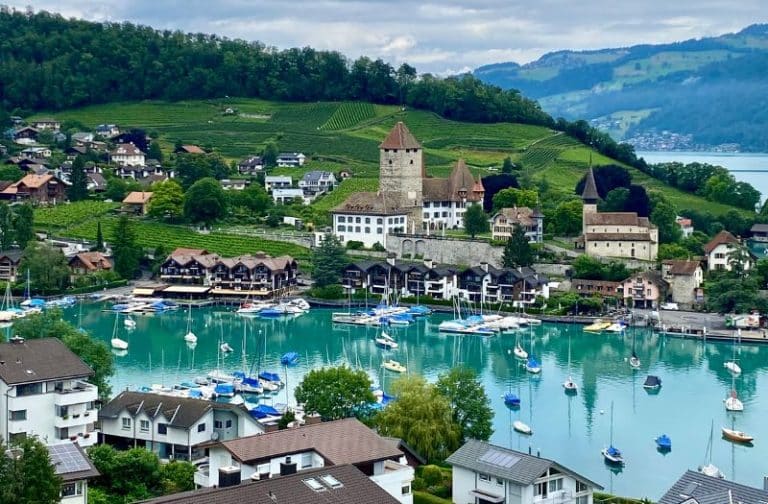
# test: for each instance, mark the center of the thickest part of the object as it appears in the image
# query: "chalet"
(97, 182)
(73, 466)
(278, 182)
(759, 232)
(82, 137)
(188, 149)
(75, 150)
(602, 288)
(317, 181)
(86, 263)
(127, 154)
(46, 124)
(107, 130)
(23, 135)
(40, 189)
(137, 202)
(9, 265)
(694, 487)
(250, 166)
(36, 152)
(532, 221)
(291, 159)
(723, 250)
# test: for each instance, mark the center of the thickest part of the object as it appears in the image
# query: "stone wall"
(444, 250)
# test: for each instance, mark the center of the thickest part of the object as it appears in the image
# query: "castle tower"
(401, 170)
(590, 197)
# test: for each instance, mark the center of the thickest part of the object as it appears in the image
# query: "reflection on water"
(572, 429)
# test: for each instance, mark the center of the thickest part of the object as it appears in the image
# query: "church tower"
(401, 170)
(590, 197)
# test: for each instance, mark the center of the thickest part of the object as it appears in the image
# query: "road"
(677, 318)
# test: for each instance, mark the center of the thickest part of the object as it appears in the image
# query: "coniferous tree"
(99, 238)
(6, 226)
(328, 261)
(79, 189)
(24, 225)
(517, 252)
(125, 250)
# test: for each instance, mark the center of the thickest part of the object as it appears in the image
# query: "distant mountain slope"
(710, 91)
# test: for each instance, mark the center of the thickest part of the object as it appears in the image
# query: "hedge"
(425, 498)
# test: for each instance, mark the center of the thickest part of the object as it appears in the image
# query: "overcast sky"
(441, 36)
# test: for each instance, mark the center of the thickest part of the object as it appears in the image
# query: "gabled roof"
(355, 488)
(706, 489)
(316, 176)
(449, 189)
(126, 150)
(251, 161)
(590, 188)
(346, 441)
(39, 360)
(517, 215)
(400, 138)
(191, 149)
(93, 260)
(510, 465)
(721, 238)
(615, 219)
(759, 228)
(34, 181)
(14, 254)
(137, 198)
(368, 203)
(70, 462)
(680, 267)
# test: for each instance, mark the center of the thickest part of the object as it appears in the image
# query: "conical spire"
(590, 194)
(400, 138)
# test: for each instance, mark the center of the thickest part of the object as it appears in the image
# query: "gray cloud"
(440, 36)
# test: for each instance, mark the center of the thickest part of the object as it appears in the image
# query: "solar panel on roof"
(66, 458)
(314, 485)
(499, 458)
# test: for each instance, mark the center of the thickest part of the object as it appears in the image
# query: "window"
(217, 424)
(228, 424)
(367, 220)
(306, 460)
(499, 482)
(19, 415)
(126, 423)
(342, 228)
(357, 229)
(484, 477)
(426, 204)
(70, 489)
(648, 292)
(357, 220)
(144, 425)
(367, 230)
(426, 215)
(29, 389)
(406, 490)
(555, 484)
(162, 428)
(584, 499)
(201, 427)
(342, 218)
(581, 487)
(379, 230)
(379, 221)
(540, 489)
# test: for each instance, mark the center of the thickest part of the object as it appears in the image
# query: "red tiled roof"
(400, 138)
(721, 238)
(137, 198)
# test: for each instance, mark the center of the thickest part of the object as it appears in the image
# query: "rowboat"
(597, 326)
(521, 427)
(736, 435)
(119, 344)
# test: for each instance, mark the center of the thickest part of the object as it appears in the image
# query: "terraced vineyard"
(70, 214)
(349, 114)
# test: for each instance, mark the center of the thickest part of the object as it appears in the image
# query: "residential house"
(85, 263)
(127, 154)
(602, 288)
(615, 234)
(97, 182)
(170, 426)
(759, 232)
(685, 279)
(44, 393)
(82, 137)
(291, 159)
(532, 221)
(46, 124)
(485, 473)
(723, 250)
(645, 290)
(24, 135)
(342, 484)
(277, 182)
(317, 181)
(107, 130)
(289, 196)
(36, 152)
(41, 189)
(73, 466)
(250, 166)
(189, 149)
(686, 226)
(309, 447)
(234, 184)
(75, 150)
(694, 487)
(9, 265)
(137, 202)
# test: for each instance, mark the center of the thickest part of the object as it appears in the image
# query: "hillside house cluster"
(482, 283)
(311, 185)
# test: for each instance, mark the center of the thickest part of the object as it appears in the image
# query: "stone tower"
(401, 170)
(590, 197)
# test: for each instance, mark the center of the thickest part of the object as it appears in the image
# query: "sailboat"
(569, 385)
(634, 362)
(709, 468)
(521, 426)
(116, 342)
(532, 365)
(736, 436)
(732, 365)
(190, 337)
(612, 455)
(129, 323)
(519, 352)
(512, 400)
(732, 402)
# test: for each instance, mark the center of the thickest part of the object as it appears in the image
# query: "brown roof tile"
(520, 215)
(681, 267)
(340, 442)
(721, 238)
(440, 189)
(192, 149)
(614, 219)
(93, 260)
(367, 203)
(137, 198)
(618, 236)
(39, 360)
(34, 181)
(400, 138)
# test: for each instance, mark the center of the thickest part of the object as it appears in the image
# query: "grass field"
(346, 135)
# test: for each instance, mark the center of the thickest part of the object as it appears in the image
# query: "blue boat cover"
(614, 452)
(511, 399)
(266, 375)
(253, 382)
(196, 393)
(289, 358)
(664, 441)
(225, 388)
(262, 410)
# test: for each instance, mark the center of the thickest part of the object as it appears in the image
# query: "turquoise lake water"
(571, 430)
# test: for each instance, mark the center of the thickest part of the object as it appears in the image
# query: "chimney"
(484, 266)
(287, 467)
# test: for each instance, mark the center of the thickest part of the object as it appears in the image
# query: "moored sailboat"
(611, 454)
(709, 468)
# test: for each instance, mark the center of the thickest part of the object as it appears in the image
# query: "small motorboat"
(652, 382)
(289, 358)
(570, 386)
(270, 381)
(190, 337)
(737, 436)
(612, 455)
(663, 443)
(732, 367)
(712, 471)
(532, 365)
(393, 365)
(522, 428)
(597, 326)
(119, 344)
(511, 400)
(386, 341)
(616, 327)
(226, 348)
(634, 362)
(224, 390)
(733, 403)
(129, 323)
(519, 352)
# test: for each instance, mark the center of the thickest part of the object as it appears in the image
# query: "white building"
(446, 199)
(287, 196)
(370, 226)
(128, 155)
(686, 226)
(299, 449)
(44, 393)
(107, 130)
(484, 473)
(532, 221)
(172, 427)
(36, 152)
(317, 181)
(74, 468)
(291, 159)
(723, 249)
(277, 182)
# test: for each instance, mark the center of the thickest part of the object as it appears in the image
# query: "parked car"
(670, 306)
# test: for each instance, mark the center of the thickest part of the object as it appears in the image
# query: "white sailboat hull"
(732, 367)
(119, 344)
(520, 353)
(522, 428)
(734, 404)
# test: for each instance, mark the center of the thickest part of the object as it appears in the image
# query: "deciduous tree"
(167, 201)
(475, 220)
(205, 202)
(27, 475)
(471, 409)
(47, 267)
(567, 218)
(335, 392)
(7, 235)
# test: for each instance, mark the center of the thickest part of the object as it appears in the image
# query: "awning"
(187, 289)
(488, 497)
(143, 291)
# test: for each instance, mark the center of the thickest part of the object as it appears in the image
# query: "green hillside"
(346, 135)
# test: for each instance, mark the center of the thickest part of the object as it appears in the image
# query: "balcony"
(81, 393)
(75, 419)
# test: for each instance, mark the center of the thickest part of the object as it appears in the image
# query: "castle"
(407, 201)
